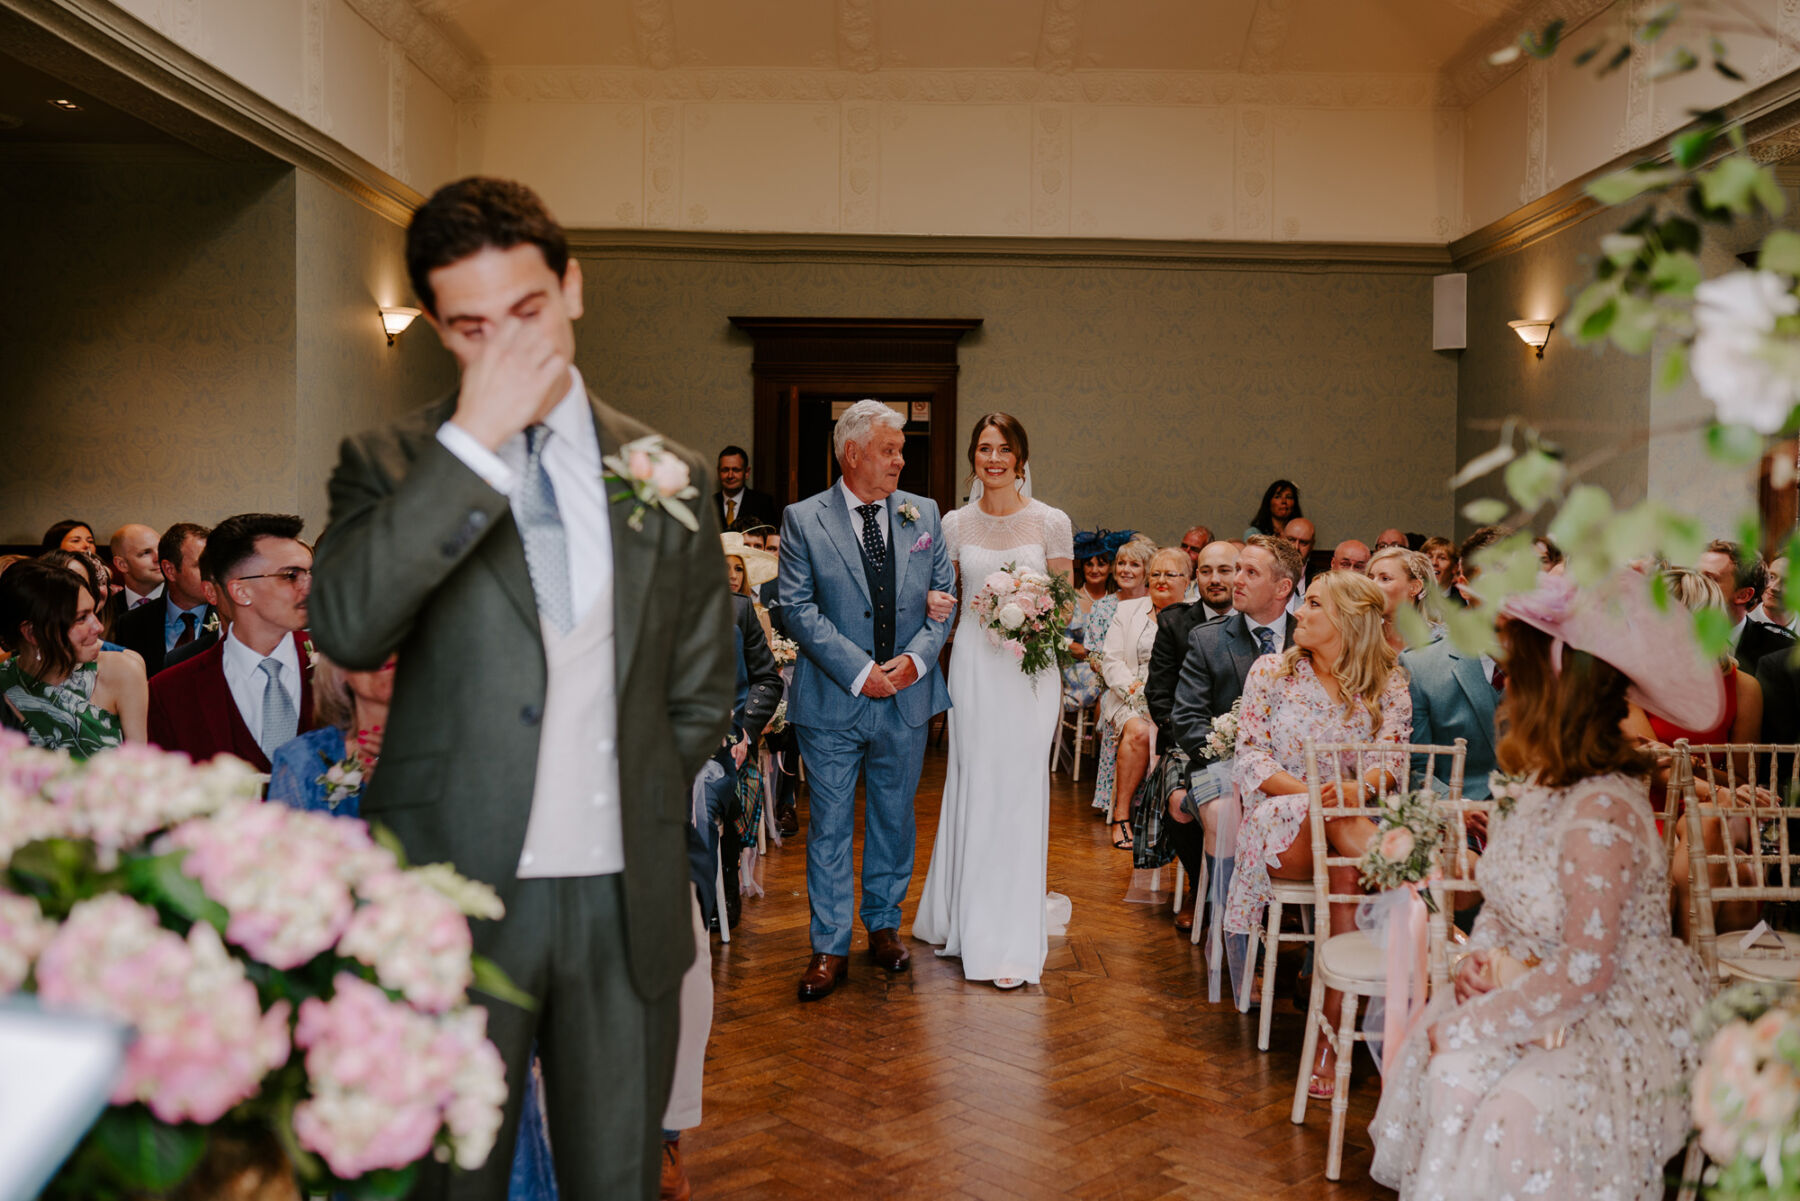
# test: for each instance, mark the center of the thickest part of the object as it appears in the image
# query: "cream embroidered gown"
(1577, 879)
(984, 892)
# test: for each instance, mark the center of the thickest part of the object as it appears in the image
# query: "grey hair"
(1137, 550)
(859, 421)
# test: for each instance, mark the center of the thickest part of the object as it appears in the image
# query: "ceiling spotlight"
(67, 106)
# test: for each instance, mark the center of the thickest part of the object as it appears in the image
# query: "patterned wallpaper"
(155, 369)
(1154, 397)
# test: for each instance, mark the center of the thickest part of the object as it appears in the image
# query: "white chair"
(1074, 722)
(1351, 963)
(719, 893)
(1268, 939)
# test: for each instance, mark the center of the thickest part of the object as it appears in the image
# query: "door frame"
(795, 355)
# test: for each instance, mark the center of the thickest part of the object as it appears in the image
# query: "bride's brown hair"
(1564, 726)
(1011, 430)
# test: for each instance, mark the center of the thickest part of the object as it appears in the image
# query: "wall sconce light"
(395, 319)
(1533, 333)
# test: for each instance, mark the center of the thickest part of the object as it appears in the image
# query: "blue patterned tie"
(280, 722)
(873, 544)
(541, 530)
(1265, 638)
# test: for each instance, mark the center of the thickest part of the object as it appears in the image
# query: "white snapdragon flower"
(1751, 375)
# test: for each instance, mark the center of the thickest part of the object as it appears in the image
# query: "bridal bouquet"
(1746, 1094)
(1024, 614)
(288, 977)
(1410, 829)
(785, 650)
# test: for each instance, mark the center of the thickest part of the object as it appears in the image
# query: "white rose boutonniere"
(212, 622)
(909, 513)
(655, 479)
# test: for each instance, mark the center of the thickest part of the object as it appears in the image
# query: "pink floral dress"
(1279, 714)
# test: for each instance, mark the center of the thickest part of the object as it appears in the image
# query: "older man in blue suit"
(859, 563)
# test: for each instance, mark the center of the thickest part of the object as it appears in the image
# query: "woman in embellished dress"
(1339, 682)
(1559, 1067)
(984, 898)
(71, 694)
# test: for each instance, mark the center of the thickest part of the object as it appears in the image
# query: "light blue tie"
(541, 530)
(280, 722)
(1265, 638)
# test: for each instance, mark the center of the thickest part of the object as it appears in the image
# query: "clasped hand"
(886, 679)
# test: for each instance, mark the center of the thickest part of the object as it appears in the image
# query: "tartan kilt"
(1150, 846)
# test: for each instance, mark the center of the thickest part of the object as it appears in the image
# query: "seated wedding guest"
(1392, 537)
(98, 581)
(1212, 583)
(758, 537)
(1197, 539)
(749, 569)
(1772, 610)
(1468, 569)
(739, 506)
(1741, 577)
(72, 535)
(1455, 695)
(1125, 668)
(69, 694)
(180, 616)
(1094, 608)
(132, 552)
(1131, 566)
(1351, 555)
(1338, 683)
(248, 694)
(1445, 564)
(1560, 1066)
(1280, 505)
(1404, 577)
(1183, 834)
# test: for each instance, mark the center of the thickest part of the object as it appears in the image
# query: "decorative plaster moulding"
(425, 42)
(920, 85)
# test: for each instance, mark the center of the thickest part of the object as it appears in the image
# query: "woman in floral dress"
(1338, 683)
(1559, 1067)
(1131, 565)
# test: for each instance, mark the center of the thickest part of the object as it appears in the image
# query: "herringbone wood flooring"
(1112, 1079)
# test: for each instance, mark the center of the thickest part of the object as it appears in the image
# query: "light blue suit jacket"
(826, 607)
(1451, 699)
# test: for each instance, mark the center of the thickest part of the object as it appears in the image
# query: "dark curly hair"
(468, 216)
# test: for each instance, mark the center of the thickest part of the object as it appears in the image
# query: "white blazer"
(1125, 657)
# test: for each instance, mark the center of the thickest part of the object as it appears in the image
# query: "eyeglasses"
(287, 575)
(1168, 575)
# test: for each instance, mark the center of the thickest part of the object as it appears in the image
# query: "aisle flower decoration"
(784, 649)
(1406, 842)
(1746, 1094)
(1025, 613)
(1221, 740)
(288, 978)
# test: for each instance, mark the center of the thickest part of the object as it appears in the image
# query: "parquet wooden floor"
(1114, 1078)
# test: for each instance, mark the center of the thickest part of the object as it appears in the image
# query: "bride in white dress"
(984, 892)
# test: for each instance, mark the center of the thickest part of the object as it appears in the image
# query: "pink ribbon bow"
(1406, 976)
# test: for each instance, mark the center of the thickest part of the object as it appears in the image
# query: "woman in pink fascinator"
(1558, 1067)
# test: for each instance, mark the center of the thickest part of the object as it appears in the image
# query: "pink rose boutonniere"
(924, 543)
(654, 478)
(909, 513)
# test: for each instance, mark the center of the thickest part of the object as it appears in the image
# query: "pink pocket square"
(924, 543)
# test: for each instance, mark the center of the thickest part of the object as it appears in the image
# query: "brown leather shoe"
(787, 820)
(822, 975)
(886, 949)
(675, 1186)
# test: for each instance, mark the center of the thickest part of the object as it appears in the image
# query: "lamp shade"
(1533, 333)
(395, 319)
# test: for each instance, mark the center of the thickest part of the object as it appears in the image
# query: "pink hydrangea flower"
(203, 1041)
(415, 938)
(385, 1078)
(24, 933)
(124, 795)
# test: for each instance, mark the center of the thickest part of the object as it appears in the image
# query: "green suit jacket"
(422, 558)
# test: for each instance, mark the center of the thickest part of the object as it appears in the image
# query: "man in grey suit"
(858, 564)
(1454, 695)
(569, 668)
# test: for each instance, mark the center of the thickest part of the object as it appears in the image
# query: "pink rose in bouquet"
(203, 1041)
(1021, 612)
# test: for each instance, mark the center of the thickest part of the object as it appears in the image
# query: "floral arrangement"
(1024, 614)
(287, 975)
(778, 719)
(1405, 846)
(654, 478)
(1221, 740)
(909, 514)
(1746, 1094)
(784, 649)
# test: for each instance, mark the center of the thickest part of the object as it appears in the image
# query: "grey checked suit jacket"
(1220, 653)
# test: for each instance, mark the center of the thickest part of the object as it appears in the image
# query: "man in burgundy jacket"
(252, 690)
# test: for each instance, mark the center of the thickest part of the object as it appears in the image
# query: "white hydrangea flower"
(1751, 375)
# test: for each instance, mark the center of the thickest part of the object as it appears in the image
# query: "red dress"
(1668, 732)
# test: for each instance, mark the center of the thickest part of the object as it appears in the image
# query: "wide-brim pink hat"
(1618, 622)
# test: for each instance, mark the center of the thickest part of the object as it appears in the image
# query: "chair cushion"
(1354, 963)
(1765, 962)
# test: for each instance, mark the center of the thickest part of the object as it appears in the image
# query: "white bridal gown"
(984, 892)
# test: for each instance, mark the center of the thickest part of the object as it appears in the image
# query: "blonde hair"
(1418, 568)
(1138, 550)
(1357, 611)
(333, 704)
(1174, 555)
(1692, 590)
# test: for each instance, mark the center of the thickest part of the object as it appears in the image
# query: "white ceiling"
(1252, 36)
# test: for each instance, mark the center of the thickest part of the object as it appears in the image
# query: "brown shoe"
(1184, 920)
(822, 975)
(886, 949)
(787, 820)
(675, 1186)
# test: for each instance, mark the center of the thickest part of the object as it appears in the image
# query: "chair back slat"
(1737, 793)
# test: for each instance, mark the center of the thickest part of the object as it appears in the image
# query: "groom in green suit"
(565, 668)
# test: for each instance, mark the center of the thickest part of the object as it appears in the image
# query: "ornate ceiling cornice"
(422, 38)
(856, 36)
(1058, 35)
(1198, 88)
(1469, 76)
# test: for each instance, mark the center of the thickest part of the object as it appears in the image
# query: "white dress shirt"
(853, 502)
(1791, 625)
(1279, 629)
(133, 599)
(244, 676)
(576, 826)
